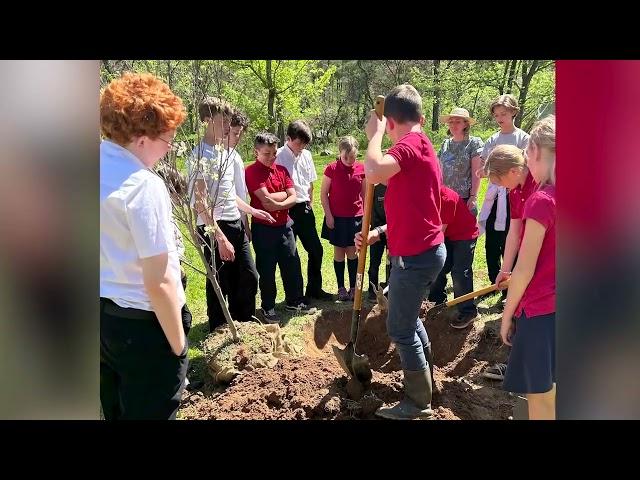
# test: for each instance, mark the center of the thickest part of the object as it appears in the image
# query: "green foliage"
(336, 96)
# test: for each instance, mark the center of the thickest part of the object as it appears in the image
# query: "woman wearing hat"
(460, 157)
(460, 160)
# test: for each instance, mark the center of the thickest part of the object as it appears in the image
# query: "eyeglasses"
(172, 145)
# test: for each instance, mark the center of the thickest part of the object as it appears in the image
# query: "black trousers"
(186, 313)
(376, 251)
(140, 376)
(277, 245)
(304, 227)
(238, 279)
(495, 242)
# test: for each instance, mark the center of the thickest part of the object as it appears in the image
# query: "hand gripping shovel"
(437, 309)
(352, 363)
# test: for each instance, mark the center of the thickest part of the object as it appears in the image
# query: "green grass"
(196, 282)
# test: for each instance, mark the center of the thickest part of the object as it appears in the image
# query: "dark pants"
(238, 279)
(304, 227)
(460, 263)
(377, 250)
(186, 313)
(140, 376)
(410, 282)
(495, 242)
(277, 245)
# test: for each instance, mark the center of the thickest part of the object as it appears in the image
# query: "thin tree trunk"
(437, 94)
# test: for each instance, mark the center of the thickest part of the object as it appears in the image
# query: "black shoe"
(269, 316)
(321, 295)
(463, 320)
(372, 295)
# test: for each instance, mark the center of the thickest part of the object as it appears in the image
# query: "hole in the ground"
(334, 328)
(315, 387)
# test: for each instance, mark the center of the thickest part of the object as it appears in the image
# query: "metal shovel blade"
(353, 364)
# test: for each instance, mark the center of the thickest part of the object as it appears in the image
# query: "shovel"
(353, 364)
(438, 309)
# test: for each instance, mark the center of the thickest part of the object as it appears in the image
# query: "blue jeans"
(460, 263)
(411, 279)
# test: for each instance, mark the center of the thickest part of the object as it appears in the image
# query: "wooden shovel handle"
(366, 223)
(475, 294)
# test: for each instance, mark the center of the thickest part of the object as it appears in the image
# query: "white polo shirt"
(301, 168)
(238, 175)
(135, 223)
(223, 172)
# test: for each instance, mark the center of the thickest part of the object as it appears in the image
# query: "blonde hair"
(502, 159)
(543, 136)
(348, 144)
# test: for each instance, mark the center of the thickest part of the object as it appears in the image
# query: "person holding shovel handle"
(416, 243)
(528, 321)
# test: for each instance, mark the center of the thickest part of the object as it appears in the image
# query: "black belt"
(109, 307)
(301, 205)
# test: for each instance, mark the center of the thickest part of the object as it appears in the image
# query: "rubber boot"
(416, 403)
(428, 355)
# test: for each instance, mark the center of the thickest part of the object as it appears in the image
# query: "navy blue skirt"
(532, 362)
(343, 231)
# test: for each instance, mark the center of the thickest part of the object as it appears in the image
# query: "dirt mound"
(457, 352)
(315, 387)
(259, 346)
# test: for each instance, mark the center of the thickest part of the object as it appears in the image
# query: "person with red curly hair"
(143, 347)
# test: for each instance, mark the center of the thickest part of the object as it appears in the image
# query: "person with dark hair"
(271, 188)
(237, 127)
(460, 158)
(299, 163)
(416, 243)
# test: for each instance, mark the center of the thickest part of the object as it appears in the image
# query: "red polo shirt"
(518, 196)
(461, 224)
(276, 179)
(345, 191)
(412, 201)
(540, 296)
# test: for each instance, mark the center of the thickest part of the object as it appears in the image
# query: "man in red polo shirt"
(460, 229)
(412, 203)
(271, 188)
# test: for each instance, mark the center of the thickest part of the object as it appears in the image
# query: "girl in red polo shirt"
(342, 194)
(506, 167)
(528, 321)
